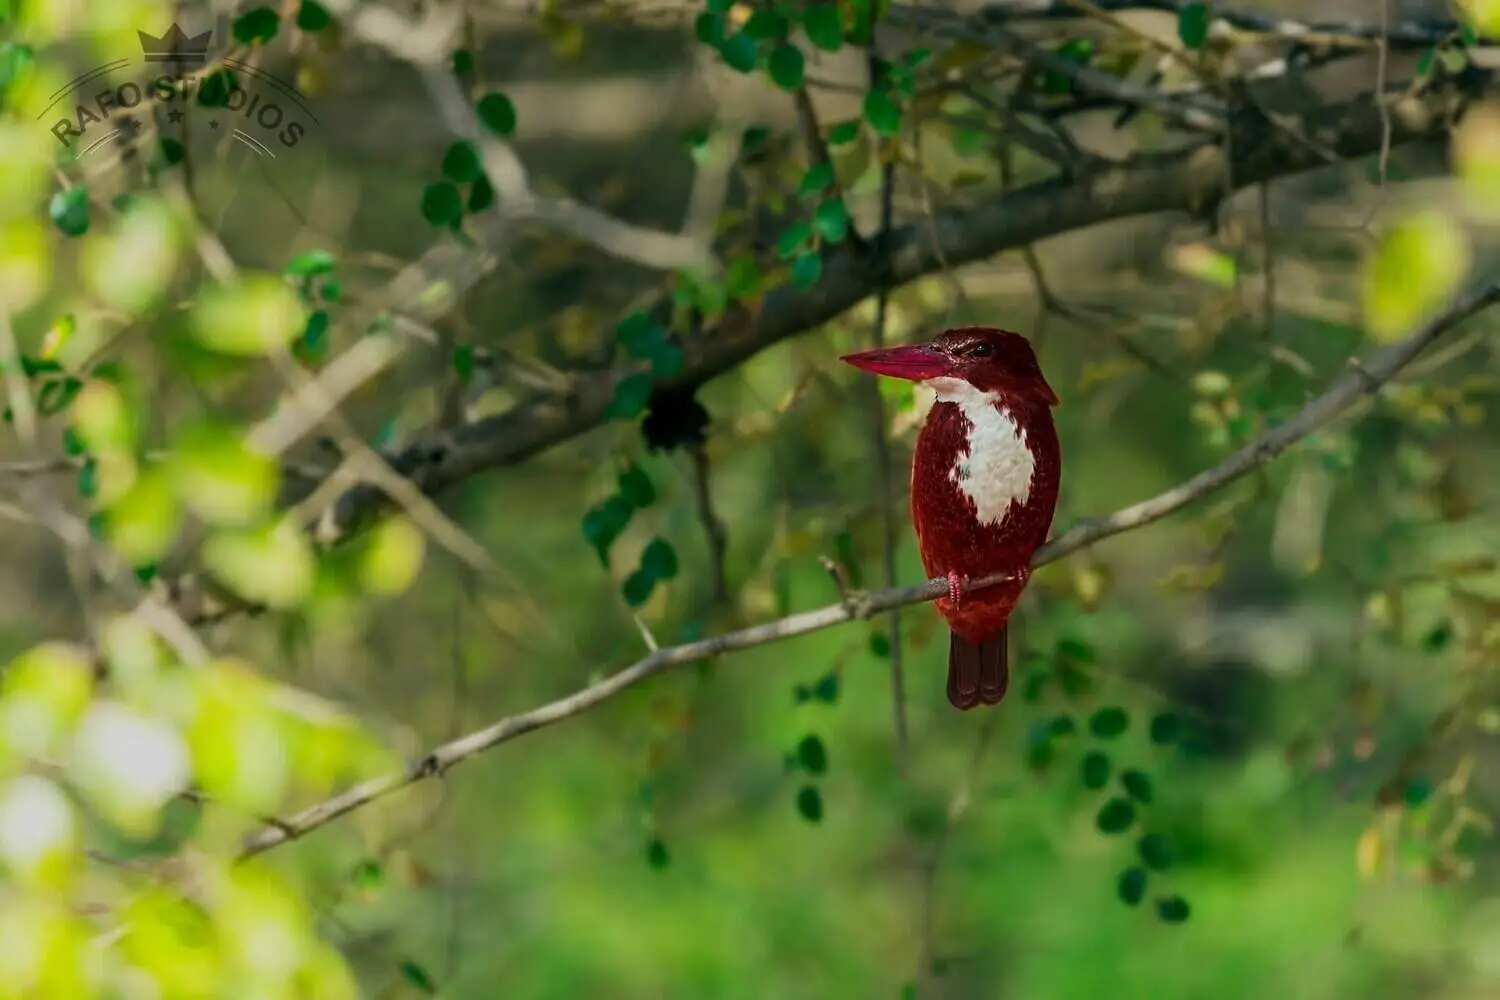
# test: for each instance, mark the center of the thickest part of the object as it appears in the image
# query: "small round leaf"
(823, 26)
(1165, 728)
(1155, 851)
(1172, 909)
(659, 560)
(1096, 769)
(1115, 816)
(1131, 886)
(498, 113)
(786, 66)
(812, 755)
(637, 588)
(461, 162)
(69, 211)
(1109, 722)
(635, 487)
(810, 803)
(1137, 785)
(442, 204)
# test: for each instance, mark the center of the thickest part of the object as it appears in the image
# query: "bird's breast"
(984, 481)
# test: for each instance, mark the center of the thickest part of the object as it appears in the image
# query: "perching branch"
(1357, 383)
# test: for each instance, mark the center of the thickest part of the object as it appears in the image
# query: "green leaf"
(462, 62)
(738, 52)
(1192, 24)
(498, 113)
(313, 344)
(215, 89)
(807, 268)
(637, 588)
(810, 803)
(709, 28)
(1115, 816)
(1131, 886)
(823, 26)
(603, 524)
(481, 194)
(56, 395)
(812, 755)
(656, 854)
(818, 177)
(1109, 722)
(765, 25)
(792, 239)
(844, 133)
(631, 396)
(1165, 728)
(659, 559)
(463, 361)
(1155, 851)
(1075, 50)
(1436, 640)
(419, 977)
(309, 264)
(461, 162)
(1137, 785)
(880, 645)
(442, 205)
(259, 24)
(88, 479)
(1073, 648)
(668, 362)
(831, 219)
(786, 67)
(640, 334)
(882, 112)
(635, 487)
(1172, 909)
(1096, 769)
(367, 875)
(826, 689)
(742, 278)
(1418, 790)
(1062, 725)
(313, 16)
(69, 211)
(1425, 61)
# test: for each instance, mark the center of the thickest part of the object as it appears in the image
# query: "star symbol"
(213, 123)
(129, 125)
(175, 115)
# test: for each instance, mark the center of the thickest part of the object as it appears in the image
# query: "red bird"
(984, 484)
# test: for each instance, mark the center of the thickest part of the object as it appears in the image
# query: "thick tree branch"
(1358, 382)
(1191, 180)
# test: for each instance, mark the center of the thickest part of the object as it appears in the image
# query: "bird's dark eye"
(982, 350)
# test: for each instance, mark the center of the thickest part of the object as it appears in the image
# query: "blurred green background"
(1305, 661)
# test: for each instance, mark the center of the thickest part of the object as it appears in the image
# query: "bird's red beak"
(914, 362)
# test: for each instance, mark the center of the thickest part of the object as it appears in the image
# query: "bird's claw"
(955, 587)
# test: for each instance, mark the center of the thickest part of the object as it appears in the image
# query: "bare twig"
(1348, 389)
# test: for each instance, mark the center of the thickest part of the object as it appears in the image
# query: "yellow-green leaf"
(130, 265)
(129, 764)
(220, 477)
(103, 419)
(44, 692)
(271, 565)
(392, 557)
(38, 831)
(250, 317)
(239, 742)
(1416, 267)
(1476, 157)
(142, 524)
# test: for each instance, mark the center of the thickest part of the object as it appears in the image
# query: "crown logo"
(176, 47)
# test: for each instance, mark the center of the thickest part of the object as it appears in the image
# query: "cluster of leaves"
(608, 519)
(1129, 791)
(465, 188)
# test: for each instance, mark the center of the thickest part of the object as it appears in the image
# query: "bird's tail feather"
(978, 672)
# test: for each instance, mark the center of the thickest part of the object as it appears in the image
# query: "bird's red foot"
(956, 586)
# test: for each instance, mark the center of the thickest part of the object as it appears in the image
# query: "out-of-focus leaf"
(1417, 265)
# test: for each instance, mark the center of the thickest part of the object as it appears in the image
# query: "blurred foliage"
(1248, 750)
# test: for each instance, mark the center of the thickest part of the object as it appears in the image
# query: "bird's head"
(988, 359)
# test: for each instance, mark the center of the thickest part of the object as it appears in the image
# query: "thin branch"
(884, 474)
(1349, 388)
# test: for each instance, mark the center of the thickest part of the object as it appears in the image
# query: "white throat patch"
(999, 467)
